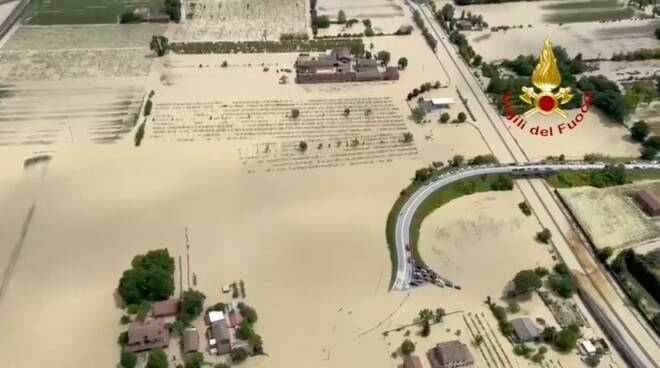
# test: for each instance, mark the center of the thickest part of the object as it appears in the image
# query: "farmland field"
(46, 12)
(610, 216)
(586, 11)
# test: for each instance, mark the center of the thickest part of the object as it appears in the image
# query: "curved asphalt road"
(403, 223)
(6, 25)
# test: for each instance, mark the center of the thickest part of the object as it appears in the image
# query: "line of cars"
(423, 275)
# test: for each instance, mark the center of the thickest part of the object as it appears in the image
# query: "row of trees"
(430, 40)
(641, 54)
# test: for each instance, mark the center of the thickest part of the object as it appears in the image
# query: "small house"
(411, 361)
(219, 338)
(147, 336)
(165, 308)
(190, 340)
(450, 354)
(525, 330)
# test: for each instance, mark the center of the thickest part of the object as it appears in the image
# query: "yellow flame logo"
(546, 77)
(546, 74)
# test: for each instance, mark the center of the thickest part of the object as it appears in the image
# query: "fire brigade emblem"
(546, 78)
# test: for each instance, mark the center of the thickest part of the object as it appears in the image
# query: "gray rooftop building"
(525, 330)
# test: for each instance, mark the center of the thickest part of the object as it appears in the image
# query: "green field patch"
(48, 12)
(582, 5)
(584, 178)
(585, 15)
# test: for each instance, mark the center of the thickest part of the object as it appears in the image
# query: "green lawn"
(436, 200)
(47, 12)
(586, 11)
(582, 5)
(584, 15)
(580, 179)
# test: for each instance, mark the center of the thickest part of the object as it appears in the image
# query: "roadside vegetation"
(612, 175)
(286, 45)
(639, 276)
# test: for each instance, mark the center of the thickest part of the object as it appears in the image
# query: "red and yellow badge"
(546, 77)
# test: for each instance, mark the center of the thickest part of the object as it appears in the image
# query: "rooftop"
(147, 335)
(165, 308)
(525, 329)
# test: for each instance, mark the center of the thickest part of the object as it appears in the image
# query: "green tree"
(457, 160)
(604, 254)
(249, 313)
(369, 32)
(384, 57)
(425, 315)
(160, 45)
(147, 108)
(367, 23)
(403, 63)
(563, 285)
(195, 361)
(549, 334)
(657, 33)
(149, 279)
(426, 328)
(477, 60)
(173, 9)
(157, 359)
(407, 347)
(541, 271)
(524, 207)
(462, 117)
(525, 281)
(653, 142)
(639, 131)
(503, 182)
(341, 17)
(514, 307)
(192, 305)
(418, 115)
(439, 315)
(543, 236)
(407, 137)
(302, 146)
(244, 330)
(238, 355)
(128, 359)
(295, 113)
(444, 117)
(649, 153)
(567, 338)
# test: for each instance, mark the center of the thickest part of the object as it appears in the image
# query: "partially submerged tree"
(526, 280)
(407, 347)
(403, 63)
(160, 45)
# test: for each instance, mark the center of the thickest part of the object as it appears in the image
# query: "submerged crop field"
(46, 12)
(586, 11)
